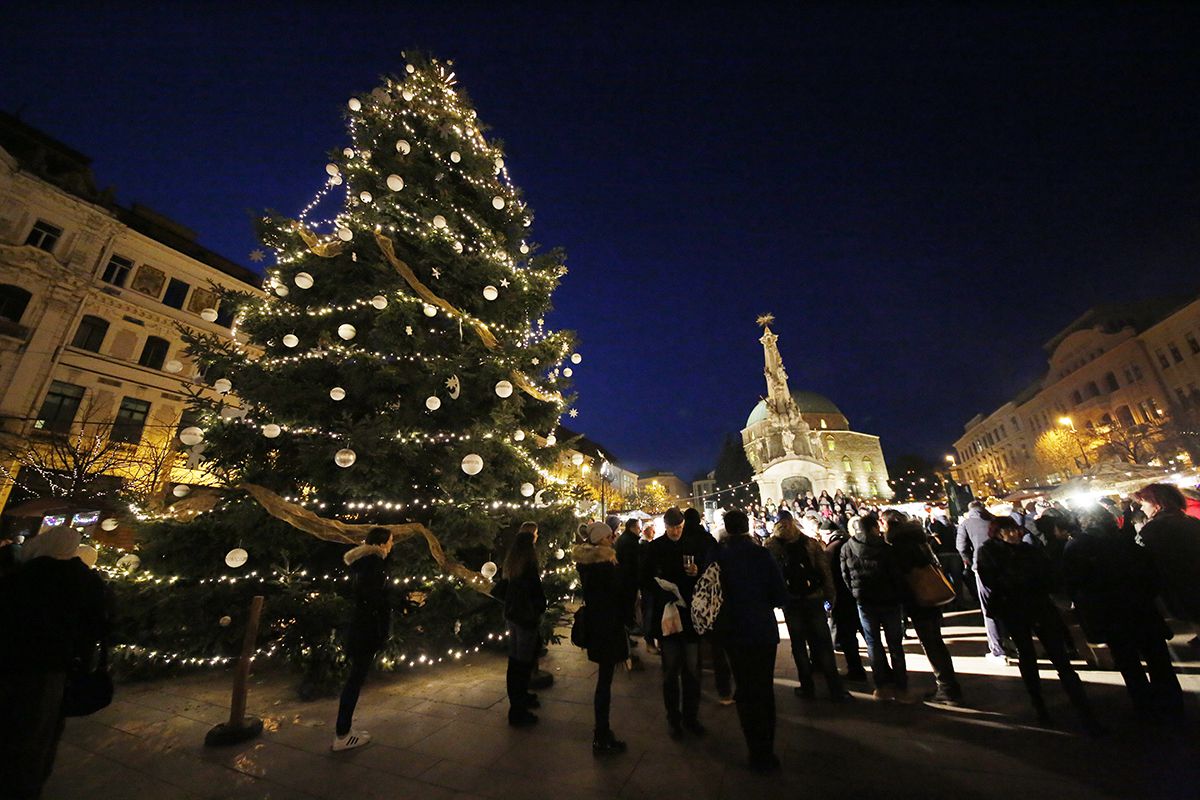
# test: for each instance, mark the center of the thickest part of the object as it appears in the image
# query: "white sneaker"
(995, 659)
(350, 741)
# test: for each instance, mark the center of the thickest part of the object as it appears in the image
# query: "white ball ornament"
(410, 69)
(568, 372)
(345, 457)
(527, 490)
(472, 464)
(181, 490)
(497, 202)
(87, 554)
(303, 280)
(236, 557)
(290, 340)
(173, 366)
(333, 169)
(488, 570)
(345, 234)
(551, 440)
(281, 290)
(209, 315)
(433, 402)
(504, 389)
(225, 621)
(191, 436)
(337, 393)
(577, 459)
(348, 152)
(499, 164)
(395, 182)
(347, 331)
(407, 95)
(524, 249)
(129, 562)
(271, 430)
(403, 147)
(223, 385)
(560, 554)
(336, 180)
(518, 435)
(379, 302)
(490, 292)
(458, 248)
(576, 358)
(355, 104)
(455, 157)
(110, 524)
(430, 310)
(365, 197)
(439, 221)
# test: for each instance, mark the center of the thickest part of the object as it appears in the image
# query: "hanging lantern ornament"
(490, 292)
(402, 147)
(379, 302)
(290, 340)
(345, 457)
(430, 310)
(191, 436)
(527, 490)
(488, 570)
(439, 221)
(110, 524)
(455, 157)
(355, 104)
(518, 435)
(497, 202)
(576, 358)
(303, 280)
(209, 315)
(271, 430)
(365, 197)
(223, 385)
(347, 331)
(173, 366)
(236, 557)
(345, 234)
(504, 389)
(395, 182)
(472, 464)
(181, 490)
(337, 393)
(433, 402)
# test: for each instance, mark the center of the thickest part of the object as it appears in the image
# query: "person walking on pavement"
(843, 618)
(972, 533)
(520, 588)
(369, 628)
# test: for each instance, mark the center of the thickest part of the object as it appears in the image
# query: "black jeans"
(846, 626)
(681, 670)
(1046, 623)
(720, 665)
(648, 617)
(929, 632)
(1161, 693)
(360, 664)
(603, 698)
(517, 682)
(809, 631)
(754, 671)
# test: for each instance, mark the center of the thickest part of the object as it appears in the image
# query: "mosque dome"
(808, 402)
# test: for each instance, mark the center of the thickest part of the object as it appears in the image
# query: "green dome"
(809, 403)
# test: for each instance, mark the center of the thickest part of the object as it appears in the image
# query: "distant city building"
(678, 492)
(1129, 368)
(800, 442)
(704, 490)
(92, 297)
(597, 467)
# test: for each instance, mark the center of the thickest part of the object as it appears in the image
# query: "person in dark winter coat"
(1173, 539)
(870, 569)
(607, 641)
(752, 587)
(694, 532)
(369, 628)
(1018, 581)
(627, 548)
(810, 585)
(912, 551)
(844, 621)
(1113, 584)
(678, 560)
(55, 611)
(520, 588)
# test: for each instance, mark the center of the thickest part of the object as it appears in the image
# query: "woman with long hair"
(607, 641)
(1017, 577)
(520, 588)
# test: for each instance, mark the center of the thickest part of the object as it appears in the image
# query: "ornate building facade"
(801, 442)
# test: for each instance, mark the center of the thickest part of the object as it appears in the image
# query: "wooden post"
(240, 727)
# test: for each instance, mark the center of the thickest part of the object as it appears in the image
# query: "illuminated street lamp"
(1069, 423)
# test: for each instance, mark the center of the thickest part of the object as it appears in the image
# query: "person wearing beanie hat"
(55, 618)
(607, 641)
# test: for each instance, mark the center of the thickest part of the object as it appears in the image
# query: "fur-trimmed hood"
(593, 554)
(362, 551)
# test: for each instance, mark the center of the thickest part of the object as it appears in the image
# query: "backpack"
(802, 575)
(707, 600)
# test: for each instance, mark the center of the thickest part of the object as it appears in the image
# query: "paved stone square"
(442, 733)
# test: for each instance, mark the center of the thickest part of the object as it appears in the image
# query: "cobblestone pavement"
(442, 733)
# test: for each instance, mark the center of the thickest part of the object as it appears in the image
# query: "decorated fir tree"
(397, 371)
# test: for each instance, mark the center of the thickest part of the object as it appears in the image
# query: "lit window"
(868, 466)
(59, 407)
(846, 464)
(829, 444)
(823, 425)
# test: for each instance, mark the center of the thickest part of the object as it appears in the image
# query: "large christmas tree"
(397, 371)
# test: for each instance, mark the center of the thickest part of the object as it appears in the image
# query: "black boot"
(603, 743)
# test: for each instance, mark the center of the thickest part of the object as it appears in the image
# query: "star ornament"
(437, 273)
(257, 255)
(504, 283)
(574, 412)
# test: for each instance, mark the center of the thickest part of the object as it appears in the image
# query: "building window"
(1162, 359)
(1092, 389)
(149, 281)
(116, 271)
(1125, 416)
(1076, 397)
(131, 420)
(829, 444)
(13, 302)
(868, 467)
(1137, 372)
(90, 333)
(1110, 382)
(59, 407)
(1182, 395)
(44, 236)
(823, 425)
(1193, 344)
(176, 293)
(1175, 354)
(154, 353)
(846, 464)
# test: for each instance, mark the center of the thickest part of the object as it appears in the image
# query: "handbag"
(929, 586)
(89, 690)
(579, 626)
(707, 600)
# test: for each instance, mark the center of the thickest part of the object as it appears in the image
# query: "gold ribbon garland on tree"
(332, 530)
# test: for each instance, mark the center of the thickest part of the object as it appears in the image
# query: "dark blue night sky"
(921, 197)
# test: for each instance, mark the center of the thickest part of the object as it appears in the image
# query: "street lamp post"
(1070, 425)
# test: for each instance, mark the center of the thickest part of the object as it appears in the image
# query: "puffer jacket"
(870, 570)
(607, 641)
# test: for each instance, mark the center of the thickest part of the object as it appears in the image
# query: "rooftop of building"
(70, 170)
(808, 402)
(1139, 315)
